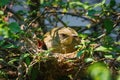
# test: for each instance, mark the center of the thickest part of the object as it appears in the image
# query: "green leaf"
(108, 24)
(1, 59)
(41, 1)
(99, 71)
(118, 58)
(108, 56)
(11, 62)
(10, 46)
(34, 74)
(112, 3)
(86, 6)
(91, 13)
(99, 4)
(1, 12)
(83, 35)
(80, 4)
(3, 74)
(89, 60)
(24, 56)
(14, 27)
(118, 77)
(3, 2)
(4, 32)
(2, 42)
(107, 49)
(27, 60)
(80, 53)
(103, 49)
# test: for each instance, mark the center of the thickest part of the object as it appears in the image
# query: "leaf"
(34, 74)
(3, 2)
(83, 35)
(27, 60)
(108, 56)
(4, 32)
(80, 4)
(87, 60)
(14, 27)
(64, 10)
(3, 74)
(41, 1)
(108, 24)
(2, 42)
(107, 49)
(10, 46)
(99, 4)
(118, 77)
(112, 3)
(80, 53)
(11, 62)
(1, 59)
(103, 49)
(1, 12)
(86, 6)
(23, 56)
(118, 58)
(99, 71)
(91, 13)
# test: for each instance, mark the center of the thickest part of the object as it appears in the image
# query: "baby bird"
(61, 40)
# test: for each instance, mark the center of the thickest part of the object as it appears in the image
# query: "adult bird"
(61, 40)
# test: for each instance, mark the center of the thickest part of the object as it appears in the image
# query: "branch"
(72, 14)
(64, 24)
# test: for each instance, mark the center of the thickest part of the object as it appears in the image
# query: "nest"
(60, 67)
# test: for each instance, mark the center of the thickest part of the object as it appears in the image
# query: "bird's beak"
(74, 35)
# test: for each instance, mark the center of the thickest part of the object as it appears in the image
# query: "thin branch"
(72, 14)
(64, 24)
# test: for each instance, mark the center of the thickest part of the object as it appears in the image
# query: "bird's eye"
(63, 36)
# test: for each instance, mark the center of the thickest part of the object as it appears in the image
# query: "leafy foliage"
(108, 25)
(3, 2)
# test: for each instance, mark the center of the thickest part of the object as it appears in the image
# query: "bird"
(61, 40)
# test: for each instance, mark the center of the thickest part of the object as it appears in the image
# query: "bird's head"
(67, 35)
